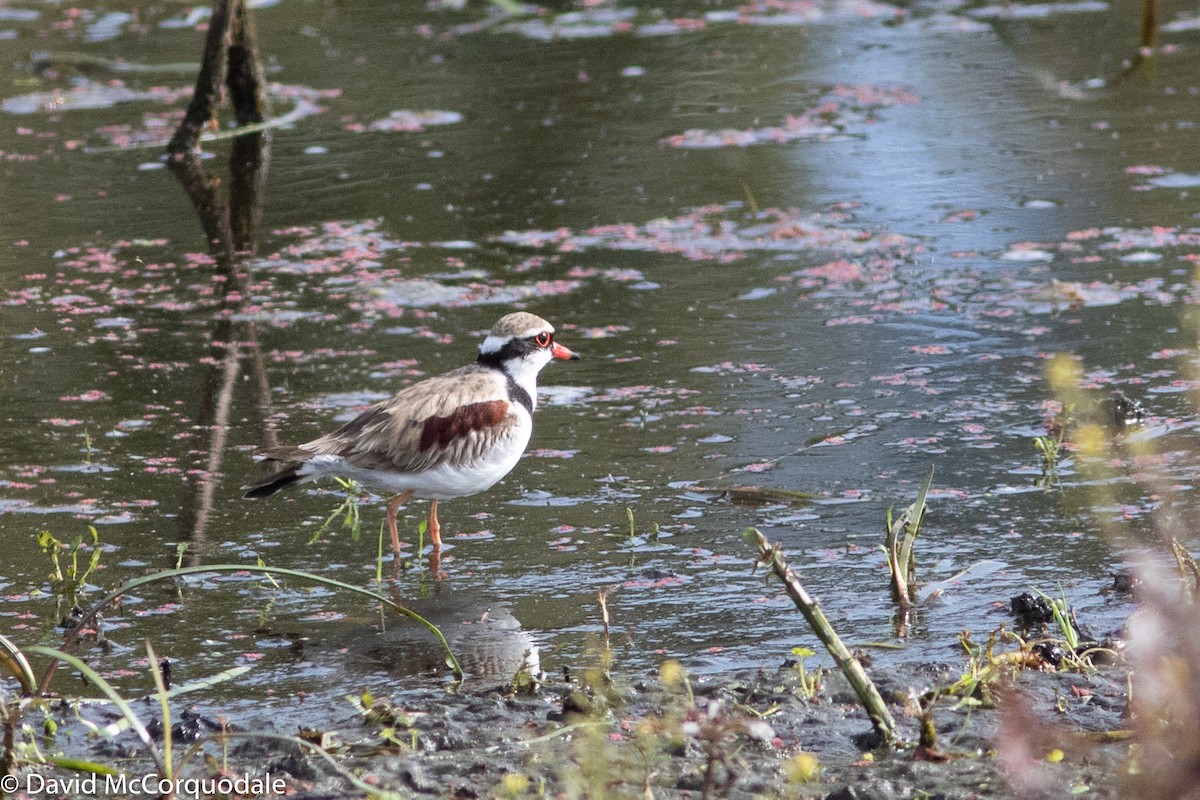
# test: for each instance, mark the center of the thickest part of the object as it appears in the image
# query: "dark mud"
(615, 733)
(769, 741)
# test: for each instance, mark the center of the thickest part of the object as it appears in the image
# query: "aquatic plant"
(394, 723)
(67, 583)
(1062, 617)
(347, 510)
(602, 595)
(1050, 446)
(900, 537)
(173, 574)
(984, 668)
(524, 681)
(1189, 572)
(168, 762)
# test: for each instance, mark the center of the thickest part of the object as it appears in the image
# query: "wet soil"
(754, 734)
(644, 742)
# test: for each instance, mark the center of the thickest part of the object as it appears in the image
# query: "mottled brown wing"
(452, 418)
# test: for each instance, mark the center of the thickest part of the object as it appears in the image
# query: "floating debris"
(403, 121)
(842, 109)
(155, 127)
(1176, 180)
(89, 95)
(201, 14)
(1037, 10)
(757, 495)
(595, 23)
(724, 232)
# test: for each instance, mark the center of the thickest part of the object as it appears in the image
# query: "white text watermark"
(150, 785)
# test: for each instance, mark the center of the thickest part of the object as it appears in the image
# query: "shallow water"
(821, 257)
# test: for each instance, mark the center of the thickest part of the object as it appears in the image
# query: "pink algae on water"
(723, 233)
(839, 112)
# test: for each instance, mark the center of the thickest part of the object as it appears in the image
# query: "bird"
(448, 436)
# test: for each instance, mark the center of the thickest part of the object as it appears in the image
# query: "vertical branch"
(247, 86)
(209, 80)
(1149, 37)
(230, 60)
(248, 160)
(245, 78)
(230, 222)
(204, 190)
(197, 504)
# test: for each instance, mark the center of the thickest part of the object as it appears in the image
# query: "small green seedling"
(1051, 449)
(394, 723)
(347, 510)
(66, 582)
(809, 682)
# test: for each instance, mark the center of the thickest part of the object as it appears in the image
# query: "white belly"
(444, 482)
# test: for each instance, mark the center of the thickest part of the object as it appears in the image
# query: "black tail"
(274, 483)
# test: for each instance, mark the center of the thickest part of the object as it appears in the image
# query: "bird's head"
(521, 344)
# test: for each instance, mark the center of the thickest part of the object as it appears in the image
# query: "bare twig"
(602, 596)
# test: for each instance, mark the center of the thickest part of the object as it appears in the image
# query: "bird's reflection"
(488, 641)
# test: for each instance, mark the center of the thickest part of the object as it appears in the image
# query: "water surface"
(820, 257)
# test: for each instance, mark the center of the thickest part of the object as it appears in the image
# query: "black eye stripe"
(515, 348)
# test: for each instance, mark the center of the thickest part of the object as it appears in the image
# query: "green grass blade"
(915, 520)
(79, 765)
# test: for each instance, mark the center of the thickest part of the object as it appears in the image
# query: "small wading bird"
(445, 437)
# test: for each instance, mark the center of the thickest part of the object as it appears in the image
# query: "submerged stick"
(772, 556)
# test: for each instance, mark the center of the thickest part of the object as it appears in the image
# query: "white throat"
(524, 371)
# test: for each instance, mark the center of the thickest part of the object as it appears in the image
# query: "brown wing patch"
(441, 431)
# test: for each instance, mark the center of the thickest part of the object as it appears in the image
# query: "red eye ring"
(542, 339)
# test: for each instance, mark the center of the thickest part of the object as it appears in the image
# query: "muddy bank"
(754, 735)
(766, 733)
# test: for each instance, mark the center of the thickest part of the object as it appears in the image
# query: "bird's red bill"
(563, 353)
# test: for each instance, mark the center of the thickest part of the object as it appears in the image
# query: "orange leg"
(435, 529)
(392, 507)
